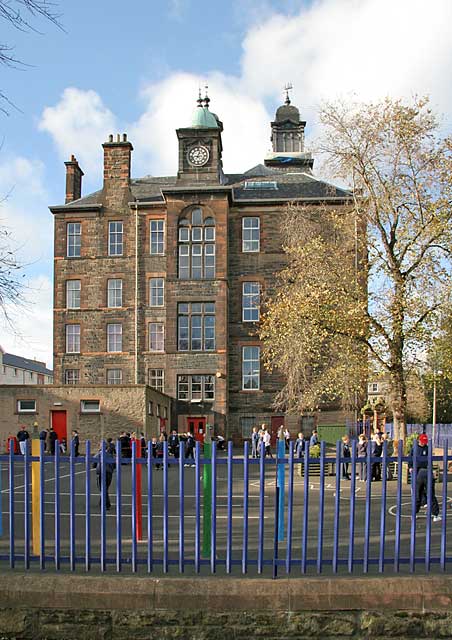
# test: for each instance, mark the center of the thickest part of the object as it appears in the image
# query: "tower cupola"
(287, 137)
(200, 146)
(202, 117)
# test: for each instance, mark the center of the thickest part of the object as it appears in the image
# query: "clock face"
(198, 156)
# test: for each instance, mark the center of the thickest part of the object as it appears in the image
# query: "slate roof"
(92, 198)
(24, 363)
(291, 185)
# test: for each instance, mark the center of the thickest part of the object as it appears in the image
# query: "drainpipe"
(136, 293)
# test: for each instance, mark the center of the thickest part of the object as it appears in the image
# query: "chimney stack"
(117, 160)
(73, 180)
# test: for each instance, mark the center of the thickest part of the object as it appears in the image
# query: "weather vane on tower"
(206, 98)
(288, 87)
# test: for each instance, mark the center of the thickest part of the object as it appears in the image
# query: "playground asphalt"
(377, 515)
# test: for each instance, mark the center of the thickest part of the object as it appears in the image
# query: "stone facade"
(261, 193)
(71, 607)
(125, 407)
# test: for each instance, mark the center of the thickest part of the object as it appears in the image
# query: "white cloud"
(31, 335)
(370, 48)
(24, 208)
(24, 213)
(170, 105)
(79, 123)
(178, 9)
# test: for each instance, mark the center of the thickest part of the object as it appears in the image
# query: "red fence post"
(137, 497)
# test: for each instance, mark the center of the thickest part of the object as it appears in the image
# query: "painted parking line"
(238, 505)
(51, 494)
(316, 487)
(22, 486)
(422, 513)
(96, 514)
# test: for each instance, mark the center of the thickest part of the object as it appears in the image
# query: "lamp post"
(435, 373)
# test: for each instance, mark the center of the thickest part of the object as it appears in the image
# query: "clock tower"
(200, 148)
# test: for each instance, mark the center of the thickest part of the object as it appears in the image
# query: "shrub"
(314, 451)
(409, 442)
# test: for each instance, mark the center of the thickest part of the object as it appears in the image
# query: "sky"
(136, 67)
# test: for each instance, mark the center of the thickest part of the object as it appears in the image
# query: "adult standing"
(76, 442)
(124, 439)
(390, 454)
(255, 437)
(154, 449)
(111, 448)
(110, 466)
(174, 444)
(22, 437)
(51, 441)
(43, 434)
(377, 448)
(143, 444)
(189, 449)
(287, 438)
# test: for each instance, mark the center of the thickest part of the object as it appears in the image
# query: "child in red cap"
(420, 482)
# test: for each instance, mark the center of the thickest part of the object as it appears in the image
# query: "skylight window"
(266, 184)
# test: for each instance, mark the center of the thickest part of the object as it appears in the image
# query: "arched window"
(196, 247)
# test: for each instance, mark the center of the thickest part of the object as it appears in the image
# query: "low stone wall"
(67, 607)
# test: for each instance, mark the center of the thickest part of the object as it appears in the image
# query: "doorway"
(276, 422)
(197, 426)
(59, 424)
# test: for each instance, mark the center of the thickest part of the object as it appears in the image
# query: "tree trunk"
(398, 406)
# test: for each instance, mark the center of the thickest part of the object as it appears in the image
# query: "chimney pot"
(73, 180)
(110, 137)
(124, 137)
(118, 137)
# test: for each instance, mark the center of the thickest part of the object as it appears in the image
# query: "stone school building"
(159, 280)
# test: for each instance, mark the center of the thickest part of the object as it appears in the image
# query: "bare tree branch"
(21, 15)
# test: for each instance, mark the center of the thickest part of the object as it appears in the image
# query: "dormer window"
(263, 184)
(196, 246)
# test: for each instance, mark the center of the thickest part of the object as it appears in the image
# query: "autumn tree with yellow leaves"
(367, 280)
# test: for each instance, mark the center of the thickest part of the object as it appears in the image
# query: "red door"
(197, 426)
(277, 422)
(162, 425)
(59, 424)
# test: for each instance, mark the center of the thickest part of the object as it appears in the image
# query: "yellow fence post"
(35, 489)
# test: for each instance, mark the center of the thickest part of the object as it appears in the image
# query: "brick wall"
(121, 408)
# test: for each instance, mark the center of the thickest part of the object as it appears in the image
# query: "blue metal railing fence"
(284, 514)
